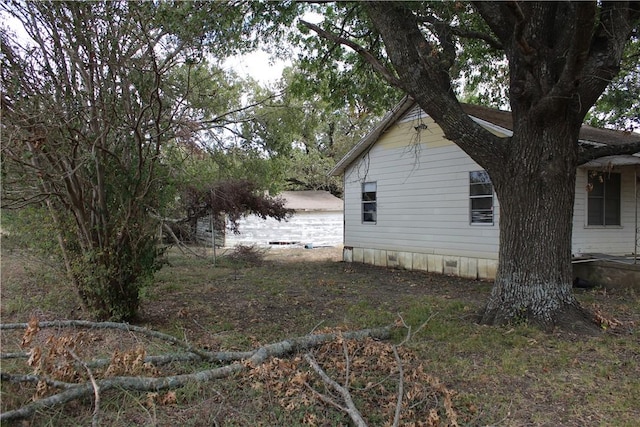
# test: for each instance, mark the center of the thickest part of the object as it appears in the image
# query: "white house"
(414, 200)
(317, 221)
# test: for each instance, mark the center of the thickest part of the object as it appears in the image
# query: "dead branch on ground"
(347, 405)
(350, 407)
(96, 389)
(237, 362)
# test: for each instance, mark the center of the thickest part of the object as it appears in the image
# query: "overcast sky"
(257, 65)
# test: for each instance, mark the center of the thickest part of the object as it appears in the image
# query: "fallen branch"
(396, 416)
(143, 384)
(158, 360)
(410, 333)
(35, 379)
(96, 389)
(179, 243)
(350, 407)
(391, 384)
(118, 326)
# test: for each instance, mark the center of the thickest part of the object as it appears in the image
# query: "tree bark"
(536, 191)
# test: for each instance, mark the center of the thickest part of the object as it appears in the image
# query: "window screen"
(369, 202)
(480, 198)
(604, 198)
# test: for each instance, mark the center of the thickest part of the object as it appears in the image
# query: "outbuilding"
(317, 221)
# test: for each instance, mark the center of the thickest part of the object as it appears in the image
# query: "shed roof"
(311, 200)
(500, 118)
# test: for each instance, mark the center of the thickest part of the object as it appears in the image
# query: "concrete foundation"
(599, 273)
(467, 267)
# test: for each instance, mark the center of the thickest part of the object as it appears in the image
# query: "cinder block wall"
(467, 267)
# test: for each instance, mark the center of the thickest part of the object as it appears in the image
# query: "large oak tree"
(560, 57)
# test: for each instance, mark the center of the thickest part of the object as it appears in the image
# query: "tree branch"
(428, 81)
(351, 408)
(250, 359)
(396, 417)
(461, 32)
(387, 74)
(616, 23)
(96, 389)
(493, 14)
(588, 153)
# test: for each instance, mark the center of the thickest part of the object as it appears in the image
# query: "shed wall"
(320, 228)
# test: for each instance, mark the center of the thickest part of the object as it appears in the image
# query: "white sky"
(257, 65)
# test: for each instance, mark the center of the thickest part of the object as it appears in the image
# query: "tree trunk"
(534, 277)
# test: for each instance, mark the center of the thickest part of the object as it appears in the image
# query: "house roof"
(588, 133)
(500, 118)
(310, 200)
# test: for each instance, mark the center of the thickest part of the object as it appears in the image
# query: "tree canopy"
(479, 74)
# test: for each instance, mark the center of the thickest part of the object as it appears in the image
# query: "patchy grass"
(511, 376)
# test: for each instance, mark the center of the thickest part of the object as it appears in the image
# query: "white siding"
(423, 208)
(610, 240)
(320, 228)
(422, 197)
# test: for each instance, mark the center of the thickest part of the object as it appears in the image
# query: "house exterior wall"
(320, 228)
(611, 239)
(422, 206)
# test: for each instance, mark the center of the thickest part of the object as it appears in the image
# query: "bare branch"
(95, 420)
(35, 379)
(461, 32)
(411, 334)
(396, 417)
(178, 242)
(250, 359)
(347, 369)
(351, 408)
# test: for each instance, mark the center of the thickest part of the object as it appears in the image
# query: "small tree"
(88, 106)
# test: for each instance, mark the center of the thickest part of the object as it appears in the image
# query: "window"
(480, 198)
(369, 204)
(603, 203)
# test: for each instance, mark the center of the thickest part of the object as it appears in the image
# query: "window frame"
(369, 203)
(606, 202)
(487, 195)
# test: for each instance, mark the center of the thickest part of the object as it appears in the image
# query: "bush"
(243, 255)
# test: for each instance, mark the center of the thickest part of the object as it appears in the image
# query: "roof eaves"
(491, 126)
(488, 122)
(369, 139)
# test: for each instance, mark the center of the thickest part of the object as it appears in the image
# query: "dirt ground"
(299, 289)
